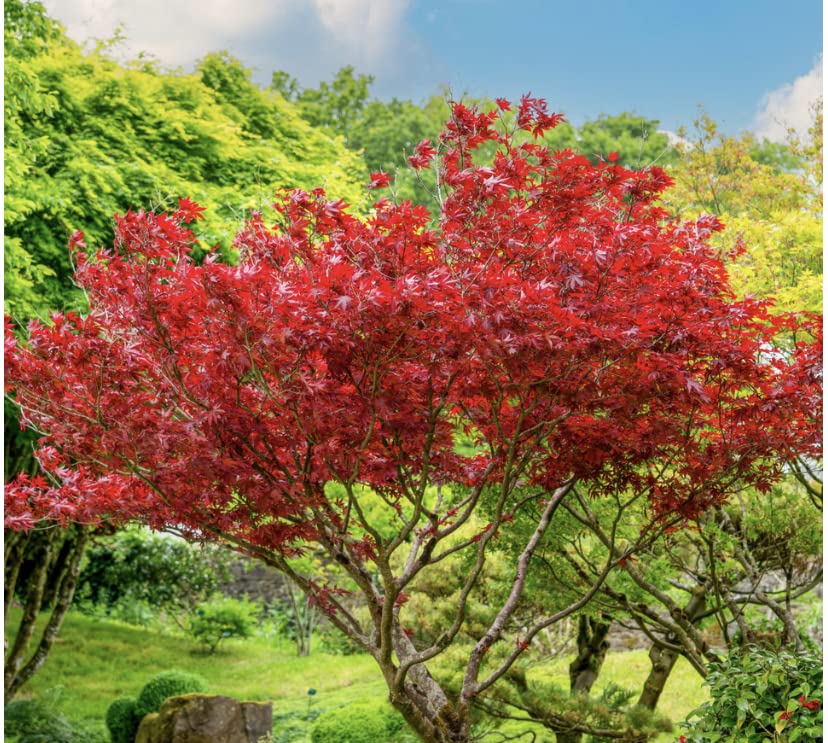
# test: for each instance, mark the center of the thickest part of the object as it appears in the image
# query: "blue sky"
(753, 64)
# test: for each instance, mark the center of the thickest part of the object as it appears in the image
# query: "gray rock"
(206, 718)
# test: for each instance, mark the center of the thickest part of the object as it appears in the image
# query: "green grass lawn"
(96, 661)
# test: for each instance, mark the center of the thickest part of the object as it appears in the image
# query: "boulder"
(206, 718)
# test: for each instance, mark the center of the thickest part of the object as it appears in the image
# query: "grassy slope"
(96, 661)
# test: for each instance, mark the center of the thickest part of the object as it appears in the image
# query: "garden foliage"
(550, 336)
(759, 695)
(358, 723)
(220, 619)
(134, 567)
(165, 685)
(122, 720)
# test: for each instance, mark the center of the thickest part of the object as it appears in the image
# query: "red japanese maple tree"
(551, 319)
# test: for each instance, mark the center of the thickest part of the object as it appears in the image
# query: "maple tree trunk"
(584, 670)
(442, 725)
(425, 706)
(662, 660)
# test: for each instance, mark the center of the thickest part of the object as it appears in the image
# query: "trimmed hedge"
(358, 723)
(122, 720)
(165, 685)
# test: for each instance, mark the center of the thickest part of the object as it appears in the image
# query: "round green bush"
(165, 685)
(122, 720)
(357, 723)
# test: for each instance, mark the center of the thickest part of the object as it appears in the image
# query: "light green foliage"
(121, 720)
(774, 213)
(383, 133)
(782, 526)
(636, 139)
(223, 618)
(87, 137)
(433, 605)
(165, 685)
(359, 723)
(783, 259)
(776, 532)
(387, 134)
(759, 696)
(776, 155)
(28, 35)
(610, 708)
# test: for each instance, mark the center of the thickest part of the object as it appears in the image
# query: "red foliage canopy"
(550, 313)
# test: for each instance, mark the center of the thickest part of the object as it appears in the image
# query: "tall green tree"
(773, 216)
(637, 140)
(87, 137)
(336, 105)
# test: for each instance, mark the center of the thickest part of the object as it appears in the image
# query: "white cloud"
(368, 28)
(176, 31)
(360, 32)
(789, 107)
(673, 138)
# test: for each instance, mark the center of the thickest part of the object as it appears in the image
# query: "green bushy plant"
(39, 721)
(33, 721)
(760, 695)
(289, 727)
(165, 685)
(358, 723)
(122, 720)
(222, 618)
(134, 574)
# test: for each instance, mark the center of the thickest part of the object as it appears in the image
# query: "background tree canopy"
(87, 137)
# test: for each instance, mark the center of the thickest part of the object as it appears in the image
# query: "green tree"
(773, 239)
(336, 105)
(87, 137)
(637, 140)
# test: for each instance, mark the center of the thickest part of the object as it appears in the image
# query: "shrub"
(760, 695)
(38, 721)
(221, 619)
(165, 685)
(133, 570)
(358, 723)
(122, 720)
